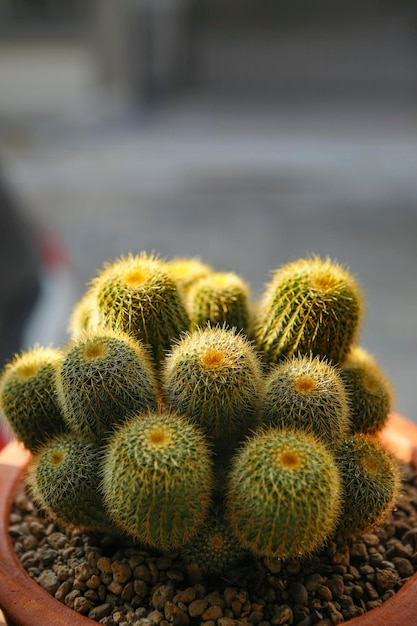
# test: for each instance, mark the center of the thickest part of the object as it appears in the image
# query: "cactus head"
(136, 295)
(214, 549)
(370, 478)
(219, 298)
(310, 306)
(370, 392)
(104, 376)
(186, 271)
(305, 392)
(28, 396)
(284, 494)
(157, 479)
(64, 479)
(84, 315)
(213, 377)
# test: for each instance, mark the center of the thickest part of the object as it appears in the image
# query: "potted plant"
(184, 422)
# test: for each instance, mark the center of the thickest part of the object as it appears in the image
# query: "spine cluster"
(183, 417)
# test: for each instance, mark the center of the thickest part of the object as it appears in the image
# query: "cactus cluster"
(182, 416)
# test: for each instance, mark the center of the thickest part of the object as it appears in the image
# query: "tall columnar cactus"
(370, 392)
(311, 305)
(136, 295)
(370, 478)
(65, 481)
(308, 393)
(28, 396)
(186, 271)
(157, 479)
(284, 494)
(220, 298)
(103, 377)
(213, 376)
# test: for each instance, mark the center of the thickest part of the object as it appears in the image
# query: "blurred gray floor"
(245, 188)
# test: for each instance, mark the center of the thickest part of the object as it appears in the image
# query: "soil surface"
(127, 585)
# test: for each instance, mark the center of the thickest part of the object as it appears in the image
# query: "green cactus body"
(370, 392)
(213, 376)
(308, 393)
(136, 295)
(64, 479)
(103, 377)
(157, 479)
(310, 306)
(84, 315)
(284, 494)
(214, 549)
(220, 298)
(28, 397)
(370, 479)
(186, 271)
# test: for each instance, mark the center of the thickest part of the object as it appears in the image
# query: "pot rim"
(20, 596)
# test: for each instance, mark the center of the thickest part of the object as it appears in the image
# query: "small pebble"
(121, 572)
(197, 607)
(403, 567)
(49, 581)
(98, 612)
(386, 578)
(161, 595)
(283, 614)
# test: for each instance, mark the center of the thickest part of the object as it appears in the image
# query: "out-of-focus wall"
(151, 50)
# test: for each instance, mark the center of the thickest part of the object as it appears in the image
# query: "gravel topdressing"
(131, 586)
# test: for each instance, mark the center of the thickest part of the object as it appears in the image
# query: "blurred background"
(246, 133)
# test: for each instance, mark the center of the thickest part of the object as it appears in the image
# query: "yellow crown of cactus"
(28, 396)
(370, 478)
(157, 479)
(220, 298)
(307, 393)
(371, 394)
(136, 295)
(310, 306)
(104, 376)
(213, 377)
(84, 315)
(284, 494)
(186, 271)
(64, 479)
(215, 548)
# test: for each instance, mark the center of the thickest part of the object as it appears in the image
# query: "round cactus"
(136, 295)
(284, 494)
(214, 549)
(311, 305)
(370, 392)
(370, 478)
(220, 298)
(103, 377)
(306, 392)
(28, 396)
(84, 315)
(213, 376)
(157, 479)
(186, 271)
(64, 479)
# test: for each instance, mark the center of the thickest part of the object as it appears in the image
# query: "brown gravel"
(131, 586)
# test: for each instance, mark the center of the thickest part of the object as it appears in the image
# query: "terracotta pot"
(25, 603)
